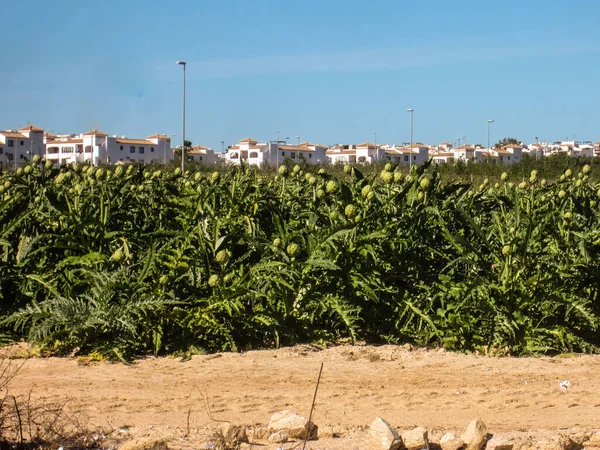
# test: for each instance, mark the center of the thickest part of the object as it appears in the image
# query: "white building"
(19, 146)
(250, 151)
(463, 153)
(416, 154)
(97, 147)
(202, 154)
(509, 154)
(359, 153)
(303, 152)
(443, 157)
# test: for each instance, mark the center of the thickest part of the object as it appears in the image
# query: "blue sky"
(327, 71)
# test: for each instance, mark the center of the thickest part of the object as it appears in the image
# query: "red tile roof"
(95, 132)
(135, 142)
(12, 134)
(31, 128)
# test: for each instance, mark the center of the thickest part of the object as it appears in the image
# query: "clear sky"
(329, 71)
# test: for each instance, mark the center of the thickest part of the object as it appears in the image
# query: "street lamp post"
(465, 139)
(375, 133)
(222, 146)
(411, 111)
(183, 63)
(298, 137)
(489, 123)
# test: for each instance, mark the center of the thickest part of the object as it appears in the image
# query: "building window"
(121, 158)
(151, 149)
(121, 148)
(141, 149)
(132, 149)
(11, 143)
(405, 158)
(282, 153)
(310, 156)
(201, 158)
(293, 155)
(234, 155)
(1, 150)
(415, 158)
(253, 154)
(300, 155)
(22, 143)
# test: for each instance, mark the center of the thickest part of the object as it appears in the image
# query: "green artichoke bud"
(222, 257)
(214, 280)
(293, 249)
(331, 187)
(350, 211)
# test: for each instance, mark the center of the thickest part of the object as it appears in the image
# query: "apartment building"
(19, 146)
(250, 151)
(202, 154)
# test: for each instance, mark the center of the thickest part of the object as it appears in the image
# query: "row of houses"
(96, 147)
(92, 147)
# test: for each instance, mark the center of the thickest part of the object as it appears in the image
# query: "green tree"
(507, 141)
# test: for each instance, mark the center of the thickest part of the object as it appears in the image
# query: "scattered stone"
(145, 444)
(475, 436)
(261, 433)
(279, 437)
(593, 443)
(383, 435)
(234, 434)
(296, 426)
(451, 442)
(499, 443)
(416, 439)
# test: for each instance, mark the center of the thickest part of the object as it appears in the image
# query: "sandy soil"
(438, 390)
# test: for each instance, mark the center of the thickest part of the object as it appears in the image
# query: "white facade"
(95, 147)
(201, 154)
(303, 152)
(463, 153)
(509, 154)
(250, 151)
(415, 155)
(361, 153)
(19, 146)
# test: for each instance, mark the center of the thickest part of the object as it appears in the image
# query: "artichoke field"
(130, 261)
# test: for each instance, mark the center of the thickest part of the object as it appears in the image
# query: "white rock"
(451, 442)
(293, 424)
(279, 437)
(475, 436)
(416, 439)
(383, 435)
(499, 443)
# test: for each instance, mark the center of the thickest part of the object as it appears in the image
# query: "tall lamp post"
(375, 134)
(411, 111)
(489, 124)
(298, 137)
(183, 63)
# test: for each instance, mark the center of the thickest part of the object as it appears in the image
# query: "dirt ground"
(182, 400)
